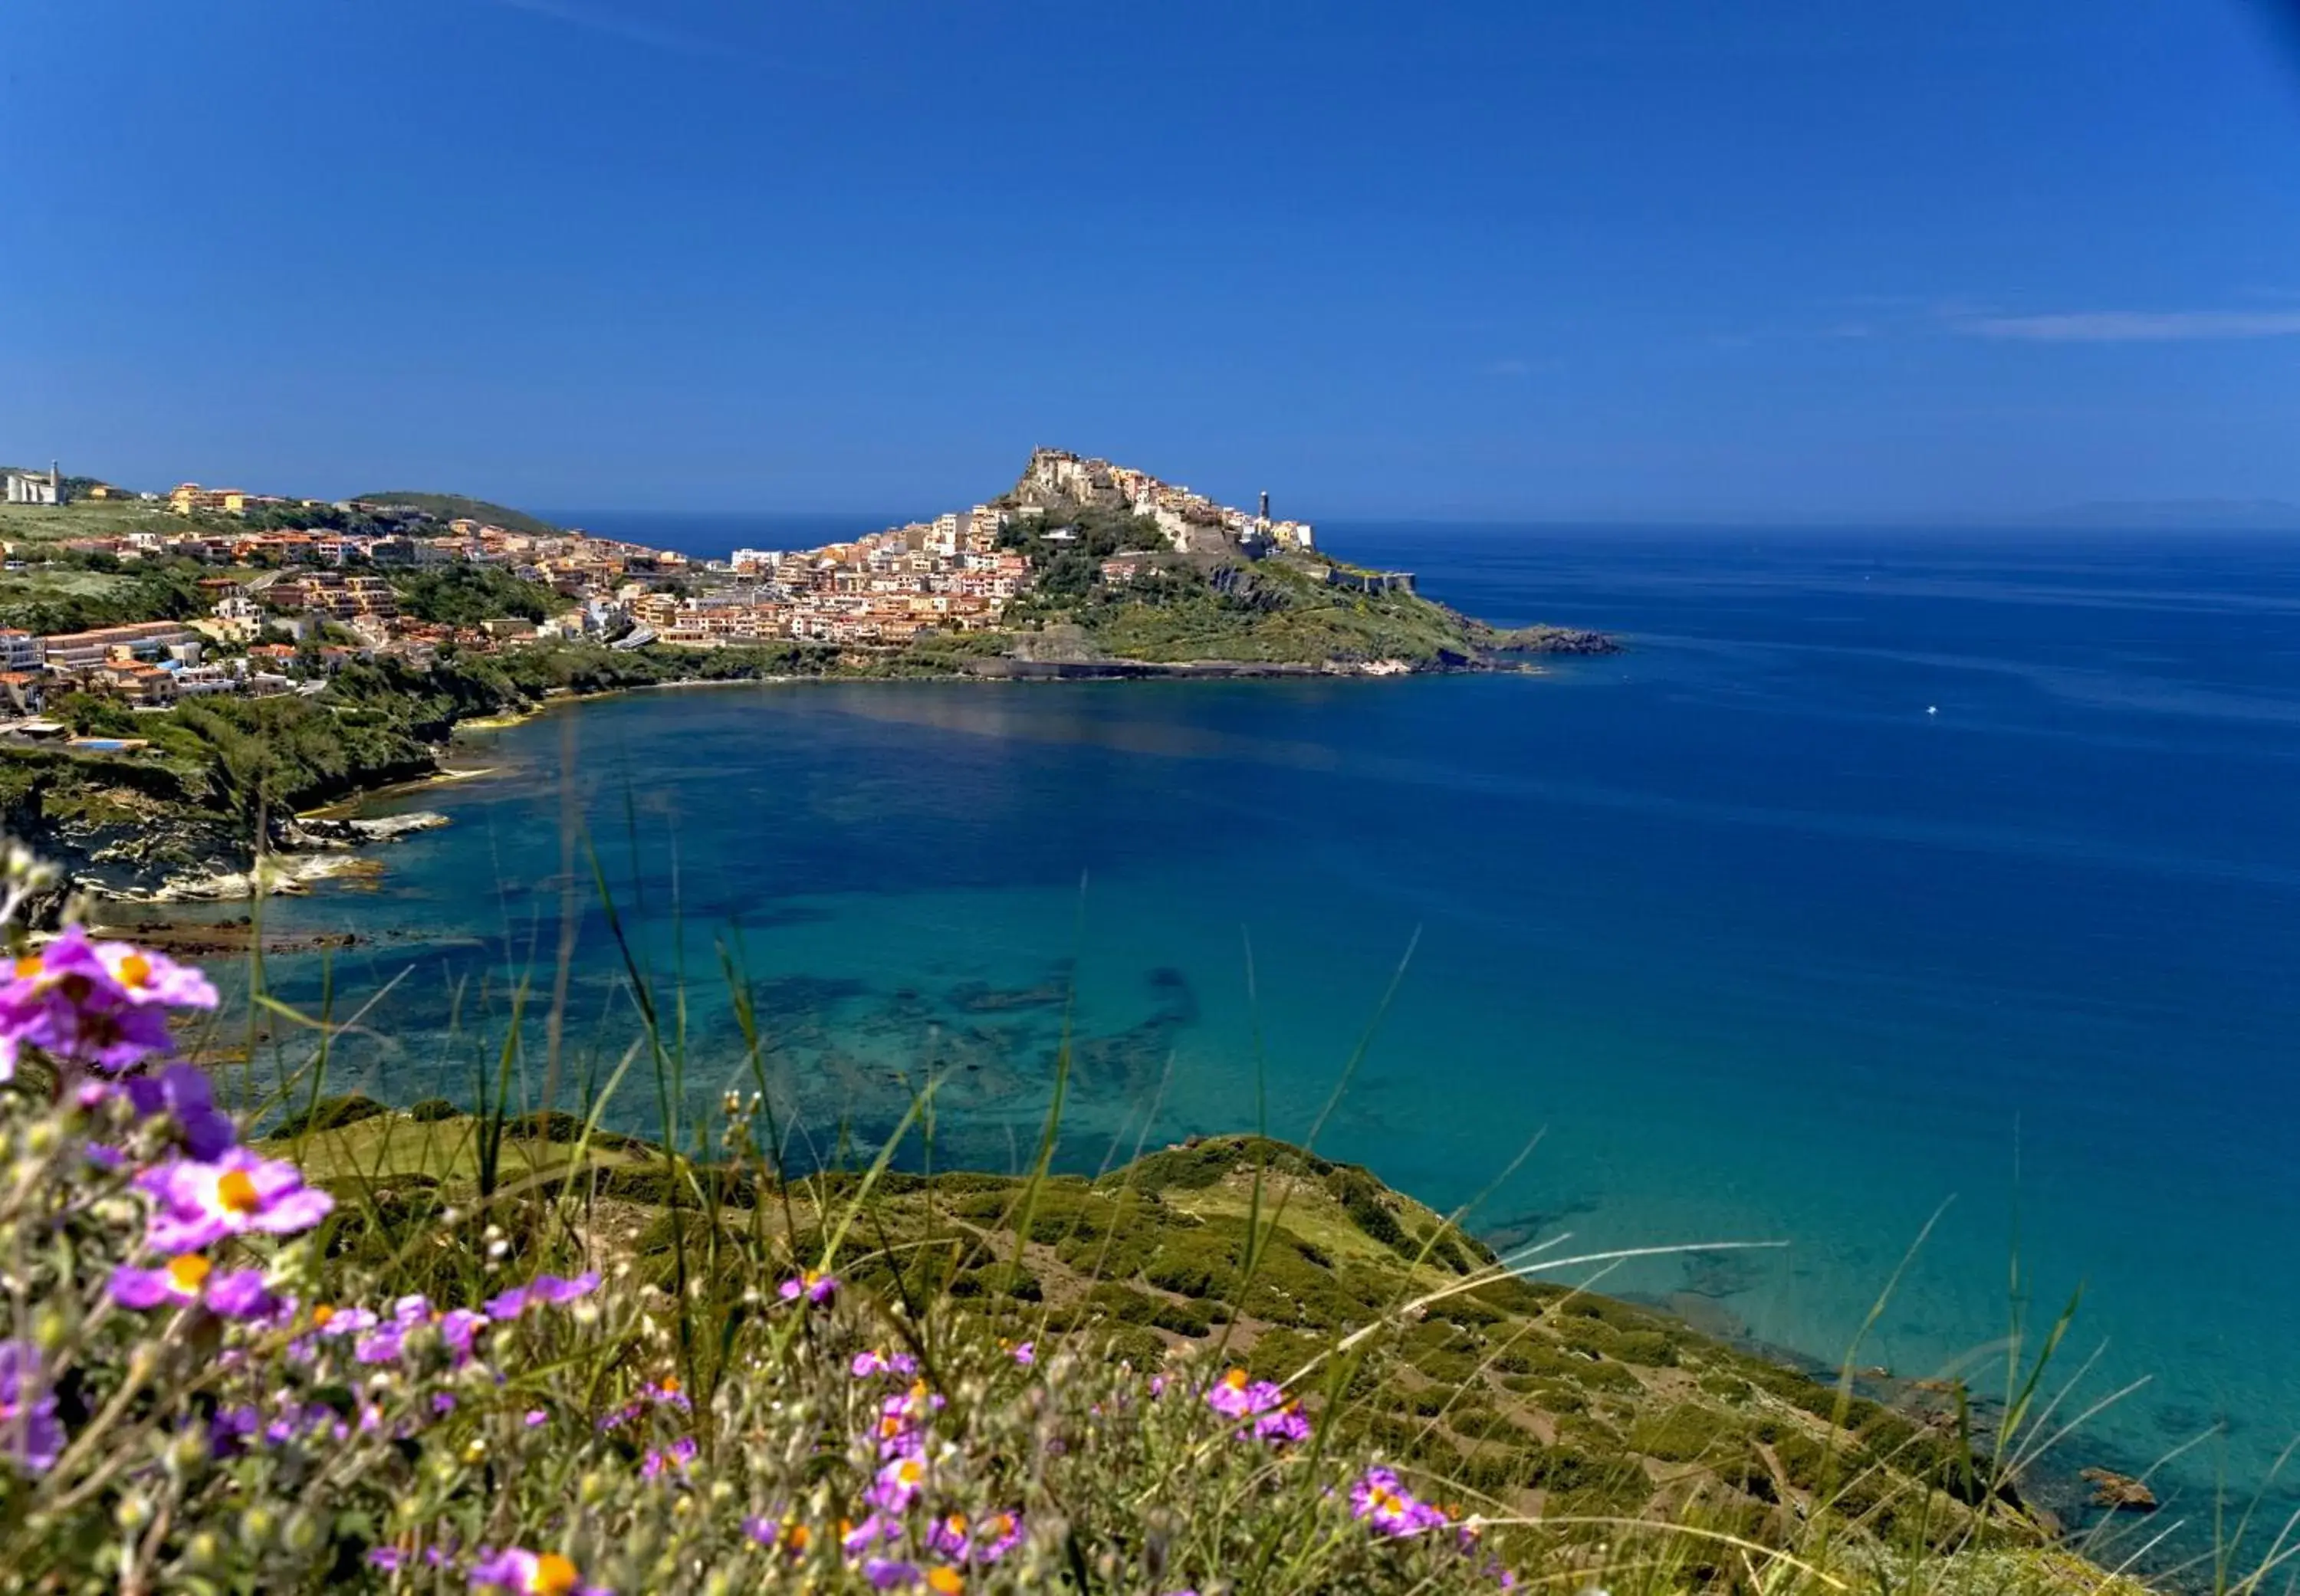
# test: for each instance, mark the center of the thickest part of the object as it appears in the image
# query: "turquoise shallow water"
(1765, 948)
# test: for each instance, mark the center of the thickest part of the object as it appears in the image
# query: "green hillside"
(448, 507)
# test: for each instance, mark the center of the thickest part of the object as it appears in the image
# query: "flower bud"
(203, 1550)
(257, 1525)
(303, 1534)
(133, 1513)
(50, 1328)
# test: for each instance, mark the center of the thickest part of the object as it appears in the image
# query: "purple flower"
(666, 1392)
(182, 1093)
(947, 1536)
(232, 1428)
(541, 1290)
(189, 1278)
(457, 1328)
(531, 1574)
(341, 1321)
(680, 1453)
(813, 1285)
(383, 1344)
(146, 977)
(1026, 1353)
(202, 1202)
(389, 1558)
(1233, 1395)
(889, 1574)
(870, 1363)
(875, 1527)
(1389, 1508)
(1285, 1423)
(1004, 1533)
(898, 1484)
(902, 1419)
(29, 1431)
(535, 1419)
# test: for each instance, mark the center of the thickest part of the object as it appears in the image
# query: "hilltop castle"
(1193, 522)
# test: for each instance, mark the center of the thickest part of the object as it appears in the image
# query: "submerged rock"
(2117, 1492)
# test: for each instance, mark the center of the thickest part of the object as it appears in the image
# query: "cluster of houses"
(152, 663)
(947, 574)
(298, 604)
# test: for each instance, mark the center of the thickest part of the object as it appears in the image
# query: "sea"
(1899, 941)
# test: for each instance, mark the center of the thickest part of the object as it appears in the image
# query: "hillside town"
(288, 604)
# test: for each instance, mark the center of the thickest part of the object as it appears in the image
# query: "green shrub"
(1680, 1434)
(331, 1113)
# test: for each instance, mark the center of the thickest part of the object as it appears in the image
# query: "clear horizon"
(1642, 264)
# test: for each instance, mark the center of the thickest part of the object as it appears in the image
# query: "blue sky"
(1627, 258)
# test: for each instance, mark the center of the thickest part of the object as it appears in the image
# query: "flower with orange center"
(188, 1280)
(524, 1573)
(200, 1204)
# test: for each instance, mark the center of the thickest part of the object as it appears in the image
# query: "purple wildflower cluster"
(1381, 1501)
(100, 1005)
(901, 1493)
(1275, 1417)
(99, 1010)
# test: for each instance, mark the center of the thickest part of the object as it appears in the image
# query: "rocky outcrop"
(1552, 640)
(326, 832)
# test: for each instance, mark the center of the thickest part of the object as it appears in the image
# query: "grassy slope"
(1317, 629)
(1294, 619)
(99, 517)
(1530, 1395)
(455, 506)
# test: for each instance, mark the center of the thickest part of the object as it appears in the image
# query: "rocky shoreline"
(316, 849)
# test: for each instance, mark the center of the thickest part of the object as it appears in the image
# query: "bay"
(1887, 872)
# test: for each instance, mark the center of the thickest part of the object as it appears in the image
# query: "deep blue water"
(1768, 951)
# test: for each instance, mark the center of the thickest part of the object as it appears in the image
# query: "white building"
(31, 488)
